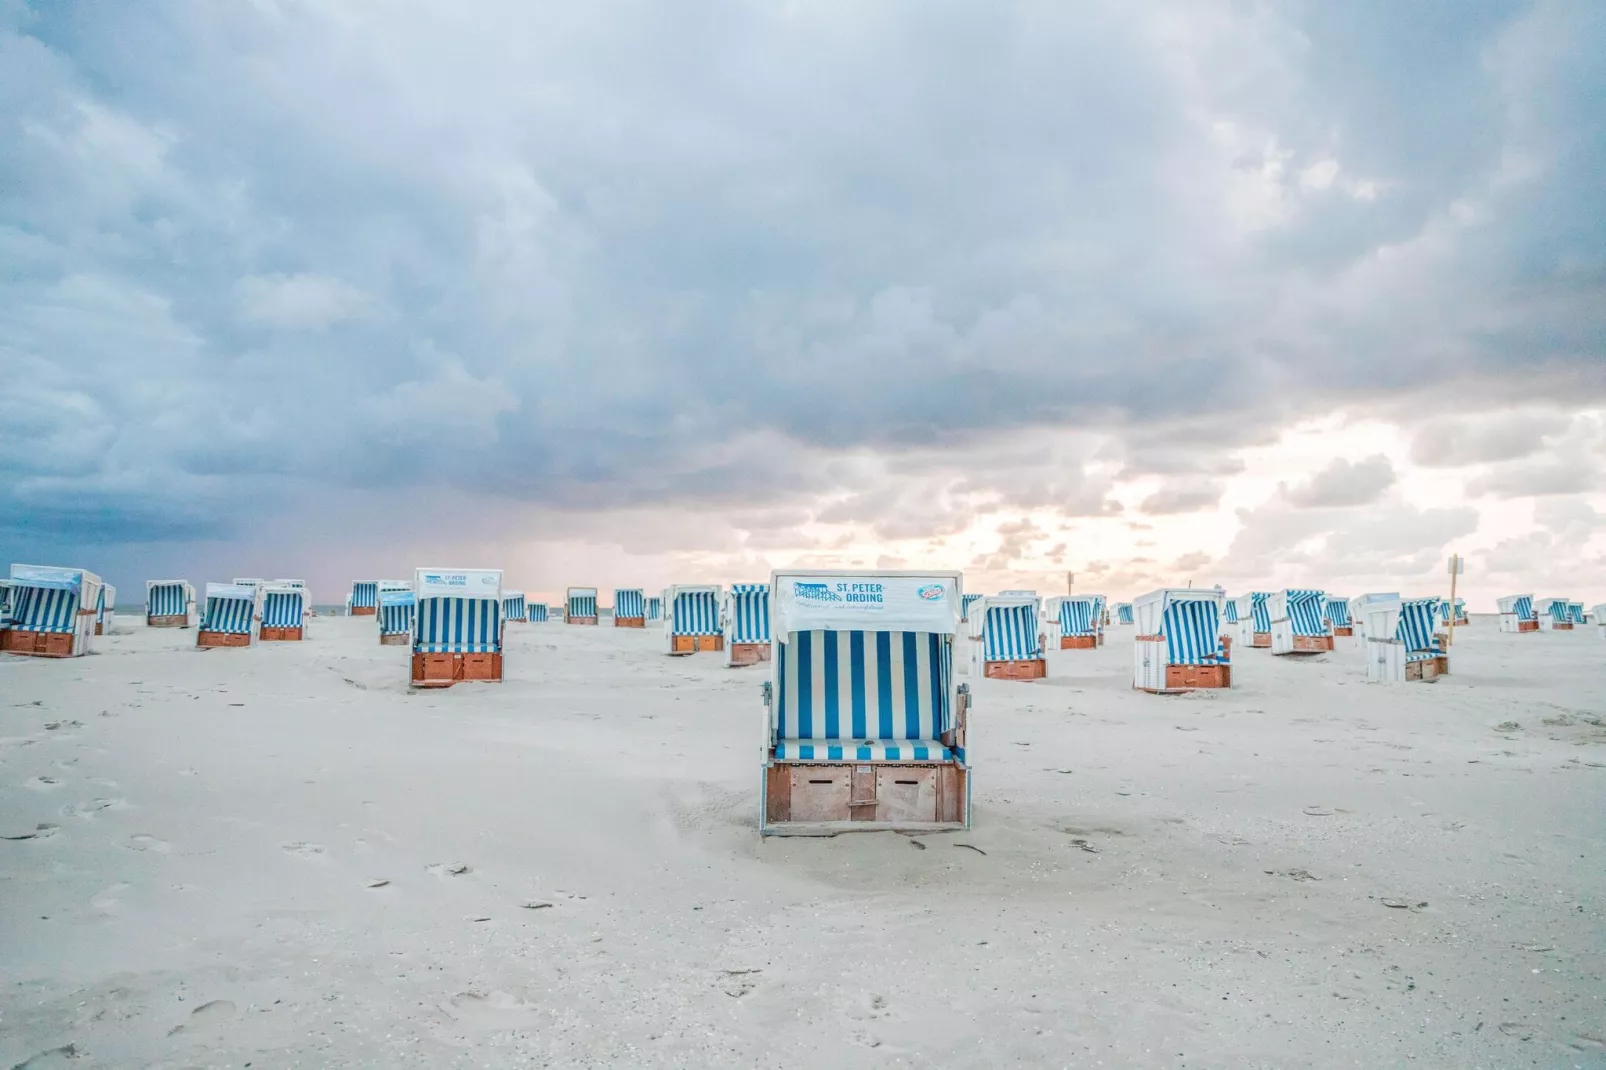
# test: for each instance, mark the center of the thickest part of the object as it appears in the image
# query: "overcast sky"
(626, 293)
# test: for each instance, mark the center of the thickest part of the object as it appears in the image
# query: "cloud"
(1182, 496)
(1455, 442)
(1342, 484)
(301, 302)
(1539, 476)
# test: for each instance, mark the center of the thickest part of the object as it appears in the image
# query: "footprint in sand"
(64, 1056)
(110, 901)
(303, 850)
(142, 842)
(42, 831)
(42, 783)
(92, 807)
(488, 1010)
(205, 1018)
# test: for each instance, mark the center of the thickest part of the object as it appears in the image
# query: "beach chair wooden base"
(37, 644)
(281, 635)
(1346, 632)
(823, 799)
(695, 644)
(444, 670)
(1462, 622)
(177, 620)
(1261, 640)
(221, 639)
(1567, 627)
(399, 639)
(749, 653)
(100, 629)
(1078, 642)
(1311, 644)
(1527, 626)
(1015, 670)
(1426, 669)
(364, 611)
(1192, 677)
(580, 620)
(630, 622)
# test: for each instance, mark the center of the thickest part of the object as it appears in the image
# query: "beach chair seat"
(862, 750)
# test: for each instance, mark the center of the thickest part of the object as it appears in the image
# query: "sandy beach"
(280, 857)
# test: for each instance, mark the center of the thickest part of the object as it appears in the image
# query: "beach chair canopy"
(1418, 619)
(1123, 613)
(655, 609)
(1306, 610)
(168, 598)
(965, 604)
(513, 607)
(535, 612)
(694, 610)
(396, 612)
(749, 620)
(1189, 619)
(1252, 607)
(864, 665)
(230, 608)
(282, 607)
(46, 598)
(458, 611)
(1553, 609)
(1338, 611)
(1010, 631)
(630, 603)
(1078, 616)
(1521, 605)
(1575, 611)
(582, 601)
(365, 594)
(1229, 610)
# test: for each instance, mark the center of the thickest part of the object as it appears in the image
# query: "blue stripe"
(861, 726)
(805, 684)
(883, 650)
(833, 691)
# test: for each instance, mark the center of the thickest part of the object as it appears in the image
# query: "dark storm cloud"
(614, 256)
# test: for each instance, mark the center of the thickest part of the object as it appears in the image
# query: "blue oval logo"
(931, 592)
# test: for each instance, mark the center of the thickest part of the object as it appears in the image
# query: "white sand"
(203, 898)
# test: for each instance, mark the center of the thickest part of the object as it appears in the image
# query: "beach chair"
(864, 721)
(1011, 644)
(580, 606)
(629, 608)
(53, 611)
(395, 615)
(1299, 622)
(1553, 615)
(231, 615)
(284, 610)
(1338, 618)
(1461, 617)
(747, 624)
(514, 607)
(105, 609)
(536, 612)
(691, 623)
(1517, 614)
(169, 604)
(5, 603)
(363, 601)
(655, 608)
(1079, 624)
(1254, 620)
(964, 609)
(1124, 614)
(1229, 628)
(1179, 646)
(457, 626)
(1598, 612)
(1400, 640)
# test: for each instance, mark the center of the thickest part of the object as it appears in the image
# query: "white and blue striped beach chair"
(536, 612)
(691, 620)
(1254, 620)
(1299, 622)
(655, 608)
(364, 599)
(747, 624)
(964, 610)
(5, 603)
(1598, 614)
(1575, 614)
(864, 719)
(1400, 639)
(169, 604)
(1338, 615)
(395, 617)
(53, 611)
(1517, 614)
(514, 607)
(230, 616)
(457, 626)
(1011, 642)
(283, 613)
(580, 606)
(629, 608)
(1123, 613)
(1079, 621)
(1178, 645)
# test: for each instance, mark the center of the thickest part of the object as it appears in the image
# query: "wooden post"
(1455, 571)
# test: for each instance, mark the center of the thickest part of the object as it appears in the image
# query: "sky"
(621, 294)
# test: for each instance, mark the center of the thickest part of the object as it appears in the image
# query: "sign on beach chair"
(747, 624)
(457, 626)
(629, 608)
(691, 623)
(1338, 618)
(1299, 622)
(230, 616)
(1011, 643)
(1517, 614)
(169, 604)
(53, 611)
(284, 610)
(1178, 646)
(580, 606)
(865, 723)
(396, 617)
(1399, 638)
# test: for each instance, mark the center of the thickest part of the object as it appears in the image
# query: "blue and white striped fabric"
(43, 609)
(396, 612)
(750, 613)
(1262, 612)
(513, 608)
(1192, 630)
(534, 613)
(282, 609)
(1418, 618)
(655, 609)
(1123, 612)
(631, 604)
(1306, 612)
(1010, 633)
(866, 696)
(1525, 608)
(166, 600)
(965, 603)
(364, 595)
(583, 605)
(458, 626)
(1575, 612)
(1078, 617)
(1460, 609)
(695, 613)
(1232, 611)
(229, 615)
(1338, 612)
